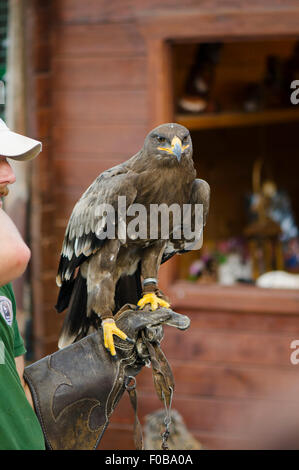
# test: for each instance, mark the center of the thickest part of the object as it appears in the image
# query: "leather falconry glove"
(76, 389)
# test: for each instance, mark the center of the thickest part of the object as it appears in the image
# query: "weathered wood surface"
(226, 377)
(99, 81)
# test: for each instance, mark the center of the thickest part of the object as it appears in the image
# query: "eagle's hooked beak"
(176, 148)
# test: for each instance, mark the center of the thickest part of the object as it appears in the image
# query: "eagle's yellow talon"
(110, 329)
(153, 300)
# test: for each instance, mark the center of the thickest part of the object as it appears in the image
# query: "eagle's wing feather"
(87, 224)
(200, 194)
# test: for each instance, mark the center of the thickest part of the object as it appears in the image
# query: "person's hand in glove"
(76, 389)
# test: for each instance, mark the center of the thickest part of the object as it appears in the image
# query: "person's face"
(7, 177)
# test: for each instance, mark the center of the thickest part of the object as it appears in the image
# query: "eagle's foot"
(154, 301)
(110, 329)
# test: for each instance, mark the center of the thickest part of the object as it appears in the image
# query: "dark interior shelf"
(237, 119)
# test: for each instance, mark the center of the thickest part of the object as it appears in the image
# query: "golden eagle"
(98, 273)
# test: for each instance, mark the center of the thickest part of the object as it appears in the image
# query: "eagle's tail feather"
(64, 296)
(128, 289)
(76, 319)
(76, 324)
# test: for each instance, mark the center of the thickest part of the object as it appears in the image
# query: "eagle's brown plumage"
(97, 276)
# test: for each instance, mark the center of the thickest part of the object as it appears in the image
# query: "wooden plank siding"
(39, 112)
(100, 101)
(100, 11)
(228, 369)
(100, 74)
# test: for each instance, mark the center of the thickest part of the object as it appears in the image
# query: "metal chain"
(128, 380)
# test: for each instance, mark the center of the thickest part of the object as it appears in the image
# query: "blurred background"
(90, 79)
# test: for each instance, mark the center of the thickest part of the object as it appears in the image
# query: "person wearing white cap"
(19, 426)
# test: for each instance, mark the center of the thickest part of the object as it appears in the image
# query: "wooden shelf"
(237, 119)
(186, 295)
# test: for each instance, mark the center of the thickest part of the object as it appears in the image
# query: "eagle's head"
(169, 143)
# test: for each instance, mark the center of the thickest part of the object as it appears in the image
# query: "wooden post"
(15, 111)
(160, 92)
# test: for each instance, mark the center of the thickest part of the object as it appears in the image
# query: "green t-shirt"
(19, 426)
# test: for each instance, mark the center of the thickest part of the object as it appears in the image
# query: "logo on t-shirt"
(6, 309)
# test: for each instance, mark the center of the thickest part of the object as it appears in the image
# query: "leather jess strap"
(131, 389)
(164, 386)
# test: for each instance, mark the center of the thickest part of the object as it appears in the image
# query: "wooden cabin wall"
(229, 370)
(91, 108)
(90, 92)
(42, 216)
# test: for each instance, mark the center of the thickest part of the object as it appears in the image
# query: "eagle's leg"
(150, 264)
(101, 281)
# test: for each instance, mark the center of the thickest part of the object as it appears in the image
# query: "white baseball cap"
(17, 146)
